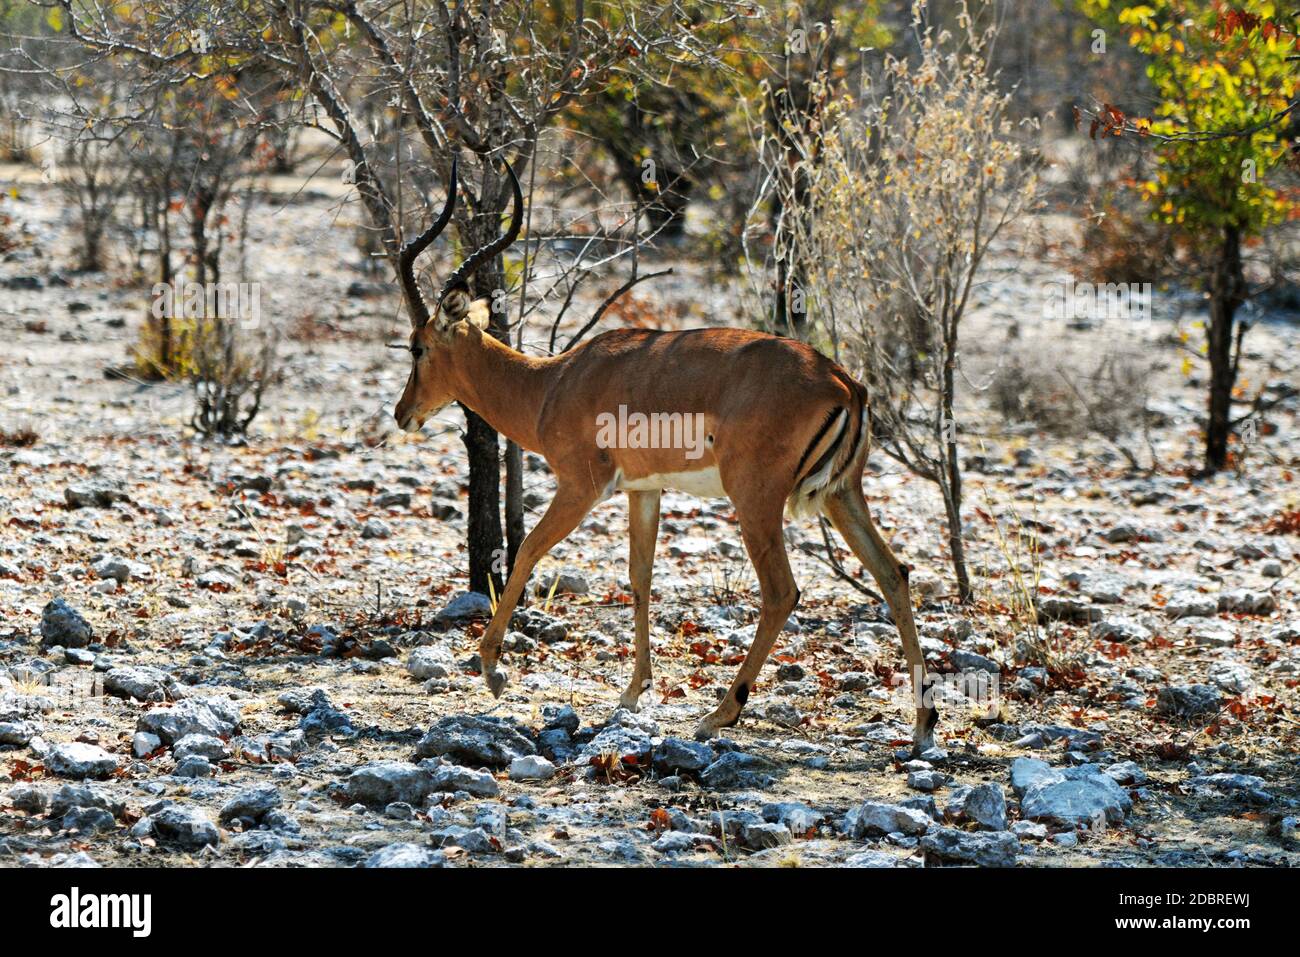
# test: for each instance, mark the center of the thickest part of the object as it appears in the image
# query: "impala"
(785, 428)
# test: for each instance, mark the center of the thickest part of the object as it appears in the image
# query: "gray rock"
(374, 528)
(678, 842)
(562, 717)
(465, 605)
(212, 716)
(1085, 795)
(79, 656)
(998, 849)
(676, 755)
(61, 624)
(477, 741)
(184, 827)
(203, 745)
(735, 770)
(112, 567)
(1067, 609)
(18, 734)
(143, 684)
(451, 777)
(784, 714)
(1188, 701)
(1120, 629)
(926, 780)
(428, 661)
(531, 767)
(194, 766)
(873, 818)
(1026, 772)
(27, 798)
(251, 804)
(799, 818)
(986, 805)
(87, 820)
(1187, 603)
(214, 579)
(475, 840)
(383, 782)
(566, 581)
(78, 760)
(83, 795)
(757, 837)
(304, 700)
(1247, 602)
(1126, 772)
(143, 743)
(96, 493)
(1230, 676)
(626, 743)
(1228, 783)
(968, 661)
(556, 744)
(406, 855)
(1029, 830)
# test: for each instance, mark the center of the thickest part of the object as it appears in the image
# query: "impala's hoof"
(923, 733)
(707, 729)
(496, 679)
(631, 698)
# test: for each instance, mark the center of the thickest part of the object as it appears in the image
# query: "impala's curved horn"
(460, 278)
(406, 256)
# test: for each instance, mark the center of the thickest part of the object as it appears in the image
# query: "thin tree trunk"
(514, 501)
(484, 531)
(482, 443)
(1227, 286)
(951, 465)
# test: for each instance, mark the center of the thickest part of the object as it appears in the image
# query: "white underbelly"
(705, 483)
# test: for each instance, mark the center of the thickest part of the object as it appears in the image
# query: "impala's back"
(703, 411)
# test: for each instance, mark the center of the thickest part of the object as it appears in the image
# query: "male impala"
(785, 427)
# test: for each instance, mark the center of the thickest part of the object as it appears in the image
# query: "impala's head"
(429, 387)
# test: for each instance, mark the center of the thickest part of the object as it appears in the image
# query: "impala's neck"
(504, 387)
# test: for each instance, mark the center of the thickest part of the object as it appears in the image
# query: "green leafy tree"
(1226, 79)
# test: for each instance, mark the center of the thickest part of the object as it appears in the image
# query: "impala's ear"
(455, 305)
(479, 314)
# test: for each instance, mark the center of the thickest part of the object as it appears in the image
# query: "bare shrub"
(911, 181)
(230, 369)
(1107, 399)
(1124, 245)
(95, 180)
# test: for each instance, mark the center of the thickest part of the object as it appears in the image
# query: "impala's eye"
(417, 351)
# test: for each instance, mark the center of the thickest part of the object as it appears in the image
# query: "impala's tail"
(836, 454)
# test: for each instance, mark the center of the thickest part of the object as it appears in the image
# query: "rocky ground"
(264, 655)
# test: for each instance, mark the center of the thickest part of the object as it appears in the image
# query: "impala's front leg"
(566, 510)
(643, 526)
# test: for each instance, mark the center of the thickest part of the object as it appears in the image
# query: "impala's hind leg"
(566, 510)
(760, 526)
(848, 510)
(643, 527)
